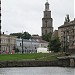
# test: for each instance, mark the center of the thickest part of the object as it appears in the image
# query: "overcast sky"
(26, 15)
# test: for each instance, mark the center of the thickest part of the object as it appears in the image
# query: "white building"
(42, 50)
(31, 45)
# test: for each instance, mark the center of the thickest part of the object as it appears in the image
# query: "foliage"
(54, 44)
(47, 37)
(16, 34)
(24, 35)
(65, 47)
(16, 49)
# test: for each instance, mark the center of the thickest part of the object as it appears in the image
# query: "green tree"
(47, 37)
(24, 35)
(54, 44)
(16, 34)
(16, 49)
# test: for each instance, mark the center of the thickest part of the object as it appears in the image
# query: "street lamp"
(22, 43)
(22, 46)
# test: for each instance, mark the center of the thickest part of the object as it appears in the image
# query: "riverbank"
(35, 63)
(35, 60)
(28, 63)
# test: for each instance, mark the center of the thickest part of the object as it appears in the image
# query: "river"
(37, 71)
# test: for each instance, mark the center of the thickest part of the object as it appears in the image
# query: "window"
(73, 31)
(45, 31)
(46, 15)
(35, 47)
(25, 47)
(0, 14)
(73, 36)
(46, 22)
(74, 42)
(46, 25)
(20, 44)
(67, 32)
(46, 7)
(74, 27)
(41, 45)
(64, 32)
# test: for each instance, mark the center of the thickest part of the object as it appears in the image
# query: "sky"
(25, 15)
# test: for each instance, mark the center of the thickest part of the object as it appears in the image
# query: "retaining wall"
(61, 63)
(27, 63)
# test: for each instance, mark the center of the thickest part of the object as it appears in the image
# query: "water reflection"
(37, 71)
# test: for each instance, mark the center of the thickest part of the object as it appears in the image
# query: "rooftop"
(71, 23)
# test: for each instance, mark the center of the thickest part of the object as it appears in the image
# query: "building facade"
(47, 21)
(66, 34)
(55, 33)
(7, 43)
(31, 45)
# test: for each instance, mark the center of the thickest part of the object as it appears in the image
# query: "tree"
(47, 37)
(54, 44)
(16, 49)
(24, 35)
(16, 34)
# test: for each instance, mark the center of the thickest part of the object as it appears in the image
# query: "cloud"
(18, 15)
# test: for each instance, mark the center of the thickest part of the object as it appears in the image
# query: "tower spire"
(47, 21)
(47, 0)
(47, 6)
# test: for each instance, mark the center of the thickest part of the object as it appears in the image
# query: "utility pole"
(0, 26)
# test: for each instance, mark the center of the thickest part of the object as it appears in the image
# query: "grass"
(38, 56)
(52, 57)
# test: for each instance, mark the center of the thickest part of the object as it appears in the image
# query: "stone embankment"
(27, 63)
(67, 61)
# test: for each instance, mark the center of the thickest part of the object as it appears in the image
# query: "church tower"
(47, 21)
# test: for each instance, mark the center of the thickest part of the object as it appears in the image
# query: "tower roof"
(47, 3)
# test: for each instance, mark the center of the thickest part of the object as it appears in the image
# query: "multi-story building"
(47, 21)
(31, 45)
(66, 34)
(55, 33)
(7, 43)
